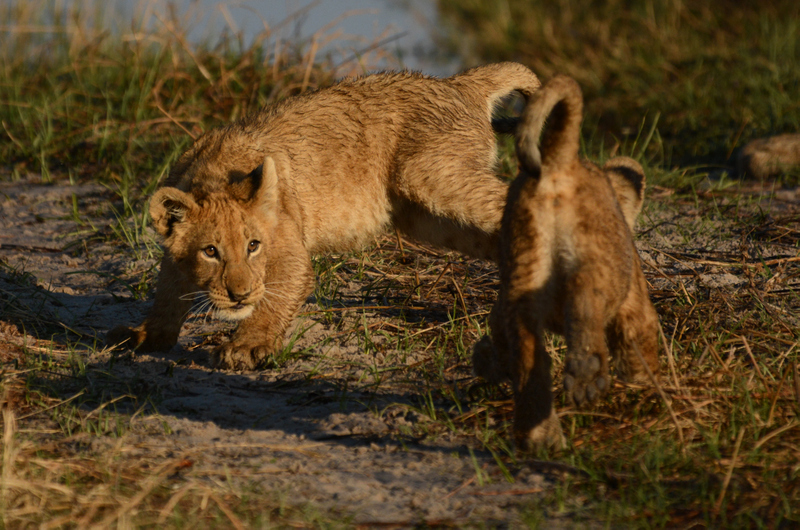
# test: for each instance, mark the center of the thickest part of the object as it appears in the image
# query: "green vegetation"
(675, 85)
(714, 74)
(119, 108)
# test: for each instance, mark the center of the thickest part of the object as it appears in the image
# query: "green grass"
(679, 89)
(716, 74)
(119, 109)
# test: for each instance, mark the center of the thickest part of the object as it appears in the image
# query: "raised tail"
(548, 135)
(497, 80)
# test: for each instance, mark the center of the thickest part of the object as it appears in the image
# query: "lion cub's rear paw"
(485, 362)
(584, 379)
(239, 355)
(546, 435)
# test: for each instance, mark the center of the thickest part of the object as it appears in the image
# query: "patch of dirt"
(334, 427)
(344, 423)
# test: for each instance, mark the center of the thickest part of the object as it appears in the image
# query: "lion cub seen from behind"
(245, 208)
(567, 264)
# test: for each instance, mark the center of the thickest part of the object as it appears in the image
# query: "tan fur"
(567, 264)
(766, 157)
(324, 171)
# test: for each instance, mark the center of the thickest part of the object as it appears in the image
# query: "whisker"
(191, 296)
(277, 294)
(201, 306)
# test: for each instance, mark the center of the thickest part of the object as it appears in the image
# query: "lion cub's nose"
(238, 296)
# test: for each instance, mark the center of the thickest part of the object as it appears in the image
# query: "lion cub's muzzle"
(239, 295)
(238, 302)
(233, 309)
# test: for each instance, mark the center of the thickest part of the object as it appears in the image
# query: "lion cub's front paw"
(239, 355)
(140, 339)
(125, 336)
(584, 378)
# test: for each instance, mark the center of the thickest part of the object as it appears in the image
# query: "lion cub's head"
(220, 240)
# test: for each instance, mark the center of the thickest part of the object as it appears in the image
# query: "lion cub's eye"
(253, 246)
(211, 251)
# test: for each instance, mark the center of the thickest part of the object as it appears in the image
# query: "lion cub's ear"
(266, 182)
(627, 179)
(169, 206)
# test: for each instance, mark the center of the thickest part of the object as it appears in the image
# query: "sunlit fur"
(567, 264)
(324, 171)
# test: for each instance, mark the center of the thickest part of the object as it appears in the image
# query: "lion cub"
(770, 156)
(245, 208)
(567, 264)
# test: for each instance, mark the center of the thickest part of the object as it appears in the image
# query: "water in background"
(387, 34)
(400, 28)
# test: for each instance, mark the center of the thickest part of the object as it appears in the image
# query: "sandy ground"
(334, 428)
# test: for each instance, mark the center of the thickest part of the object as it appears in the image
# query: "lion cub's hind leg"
(632, 334)
(536, 424)
(586, 366)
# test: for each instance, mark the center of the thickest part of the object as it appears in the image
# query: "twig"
(400, 246)
(777, 395)
(755, 364)
(796, 380)
(460, 296)
(149, 485)
(176, 122)
(555, 467)
(79, 394)
(775, 433)
(227, 511)
(9, 426)
(446, 268)
(11, 137)
(729, 474)
(461, 487)
(371, 47)
(182, 41)
(738, 136)
(655, 382)
(509, 492)
(172, 502)
(29, 248)
(670, 358)
(312, 54)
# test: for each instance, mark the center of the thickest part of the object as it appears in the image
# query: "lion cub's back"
(348, 142)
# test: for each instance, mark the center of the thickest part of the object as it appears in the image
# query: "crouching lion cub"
(245, 208)
(567, 264)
